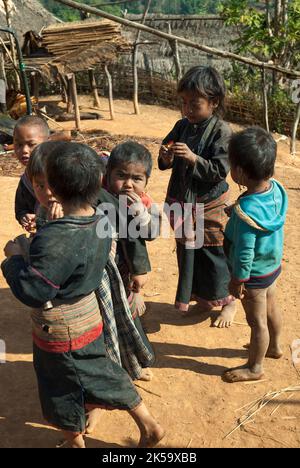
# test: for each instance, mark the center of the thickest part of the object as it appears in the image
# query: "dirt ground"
(187, 393)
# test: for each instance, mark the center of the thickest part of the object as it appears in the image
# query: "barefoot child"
(29, 132)
(123, 342)
(66, 264)
(128, 170)
(254, 239)
(196, 151)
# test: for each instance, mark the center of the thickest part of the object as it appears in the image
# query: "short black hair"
(130, 152)
(254, 150)
(38, 158)
(74, 173)
(33, 121)
(205, 81)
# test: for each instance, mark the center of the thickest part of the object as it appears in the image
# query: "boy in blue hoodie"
(254, 245)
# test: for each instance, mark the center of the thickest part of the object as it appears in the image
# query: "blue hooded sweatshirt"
(254, 233)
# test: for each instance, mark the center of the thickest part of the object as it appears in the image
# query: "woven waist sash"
(68, 325)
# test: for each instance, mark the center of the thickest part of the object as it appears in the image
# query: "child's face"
(195, 107)
(26, 138)
(128, 178)
(42, 191)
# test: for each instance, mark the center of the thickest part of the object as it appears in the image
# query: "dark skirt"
(68, 381)
(203, 276)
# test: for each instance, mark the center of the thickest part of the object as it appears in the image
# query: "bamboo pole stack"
(64, 39)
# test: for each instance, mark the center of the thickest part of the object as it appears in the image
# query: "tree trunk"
(294, 131)
(134, 62)
(69, 99)
(12, 46)
(94, 89)
(176, 57)
(110, 93)
(265, 100)
(3, 84)
(75, 101)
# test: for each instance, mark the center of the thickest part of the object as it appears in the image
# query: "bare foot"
(140, 305)
(152, 437)
(241, 374)
(146, 374)
(225, 319)
(273, 352)
(92, 420)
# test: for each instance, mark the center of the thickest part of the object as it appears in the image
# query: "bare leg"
(255, 305)
(151, 431)
(274, 323)
(225, 319)
(92, 420)
(74, 439)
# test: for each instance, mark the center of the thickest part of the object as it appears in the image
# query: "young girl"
(196, 151)
(254, 244)
(66, 263)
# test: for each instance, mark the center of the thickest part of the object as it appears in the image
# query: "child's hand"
(137, 209)
(236, 288)
(28, 222)
(166, 154)
(181, 150)
(55, 211)
(12, 248)
(138, 282)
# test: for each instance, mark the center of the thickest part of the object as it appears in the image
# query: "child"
(254, 238)
(123, 342)
(128, 170)
(196, 151)
(65, 267)
(29, 132)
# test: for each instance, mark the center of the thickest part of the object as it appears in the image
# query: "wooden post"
(265, 100)
(94, 89)
(69, 95)
(3, 84)
(12, 46)
(35, 84)
(134, 62)
(294, 131)
(176, 57)
(72, 81)
(110, 93)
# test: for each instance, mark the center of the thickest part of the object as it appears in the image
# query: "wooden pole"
(176, 56)
(265, 100)
(134, 62)
(3, 84)
(35, 84)
(72, 81)
(94, 89)
(181, 40)
(294, 131)
(12, 46)
(69, 96)
(110, 93)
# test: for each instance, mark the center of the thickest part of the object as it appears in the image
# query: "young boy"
(66, 264)
(29, 132)
(254, 244)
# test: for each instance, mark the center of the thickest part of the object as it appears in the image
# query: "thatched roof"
(26, 15)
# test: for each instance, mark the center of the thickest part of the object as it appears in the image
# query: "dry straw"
(255, 406)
